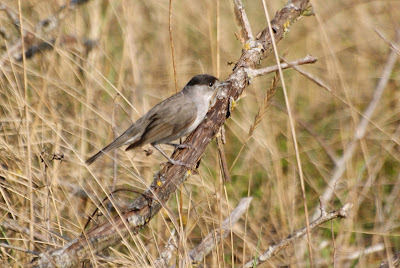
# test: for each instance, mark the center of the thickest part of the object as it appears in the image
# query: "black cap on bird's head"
(203, 84)
(202, 79)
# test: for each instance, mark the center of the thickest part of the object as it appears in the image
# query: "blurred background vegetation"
(75, 99)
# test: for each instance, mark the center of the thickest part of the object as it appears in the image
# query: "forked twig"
(243, 21)
(273, 250)
(286, 65)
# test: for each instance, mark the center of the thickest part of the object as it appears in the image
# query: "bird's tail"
(115, 144)
(94, 157)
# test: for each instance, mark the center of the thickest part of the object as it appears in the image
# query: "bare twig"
(369, 250)
(212, 239)
(361, 129)
(168, 252)
(222, 157)
(308, 75)
(393, 46)
(273, 250)
(13, 225)
(243, 21)
(66, 41)
(259, 72)
(3, 245)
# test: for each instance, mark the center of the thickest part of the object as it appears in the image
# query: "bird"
(171, 119)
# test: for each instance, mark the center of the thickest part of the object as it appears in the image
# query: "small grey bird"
(171, 119)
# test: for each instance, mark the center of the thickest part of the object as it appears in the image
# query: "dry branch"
(273, 250)
(366, 251)
(259, 72)
(168, 252)
(361, 129)
(66, 41)
(170, 177)
(3, 245)
(212, 239)
(221, 155)
(35, 40)
(209, 242)
(13, 225)
(243, 22)
(309, 76)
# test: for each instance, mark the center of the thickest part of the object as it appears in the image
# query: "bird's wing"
(166, 125)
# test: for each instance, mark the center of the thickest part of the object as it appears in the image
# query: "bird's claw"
(177, 162)
(185, 146)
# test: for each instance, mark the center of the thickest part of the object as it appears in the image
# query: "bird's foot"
(185, 146)
(176, 162)
(182, 146)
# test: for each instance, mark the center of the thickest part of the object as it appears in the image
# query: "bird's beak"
(221, 84)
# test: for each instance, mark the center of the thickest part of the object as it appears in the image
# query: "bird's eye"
(211, 84)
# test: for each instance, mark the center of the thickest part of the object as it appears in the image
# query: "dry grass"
(72, 99)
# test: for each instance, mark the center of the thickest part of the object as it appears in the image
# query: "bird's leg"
(170, 160)
(181, 146)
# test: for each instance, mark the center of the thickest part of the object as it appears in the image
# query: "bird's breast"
(201, 110)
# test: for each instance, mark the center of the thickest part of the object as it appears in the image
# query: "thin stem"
(293, 130)
(172, 45)
(28, 138)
